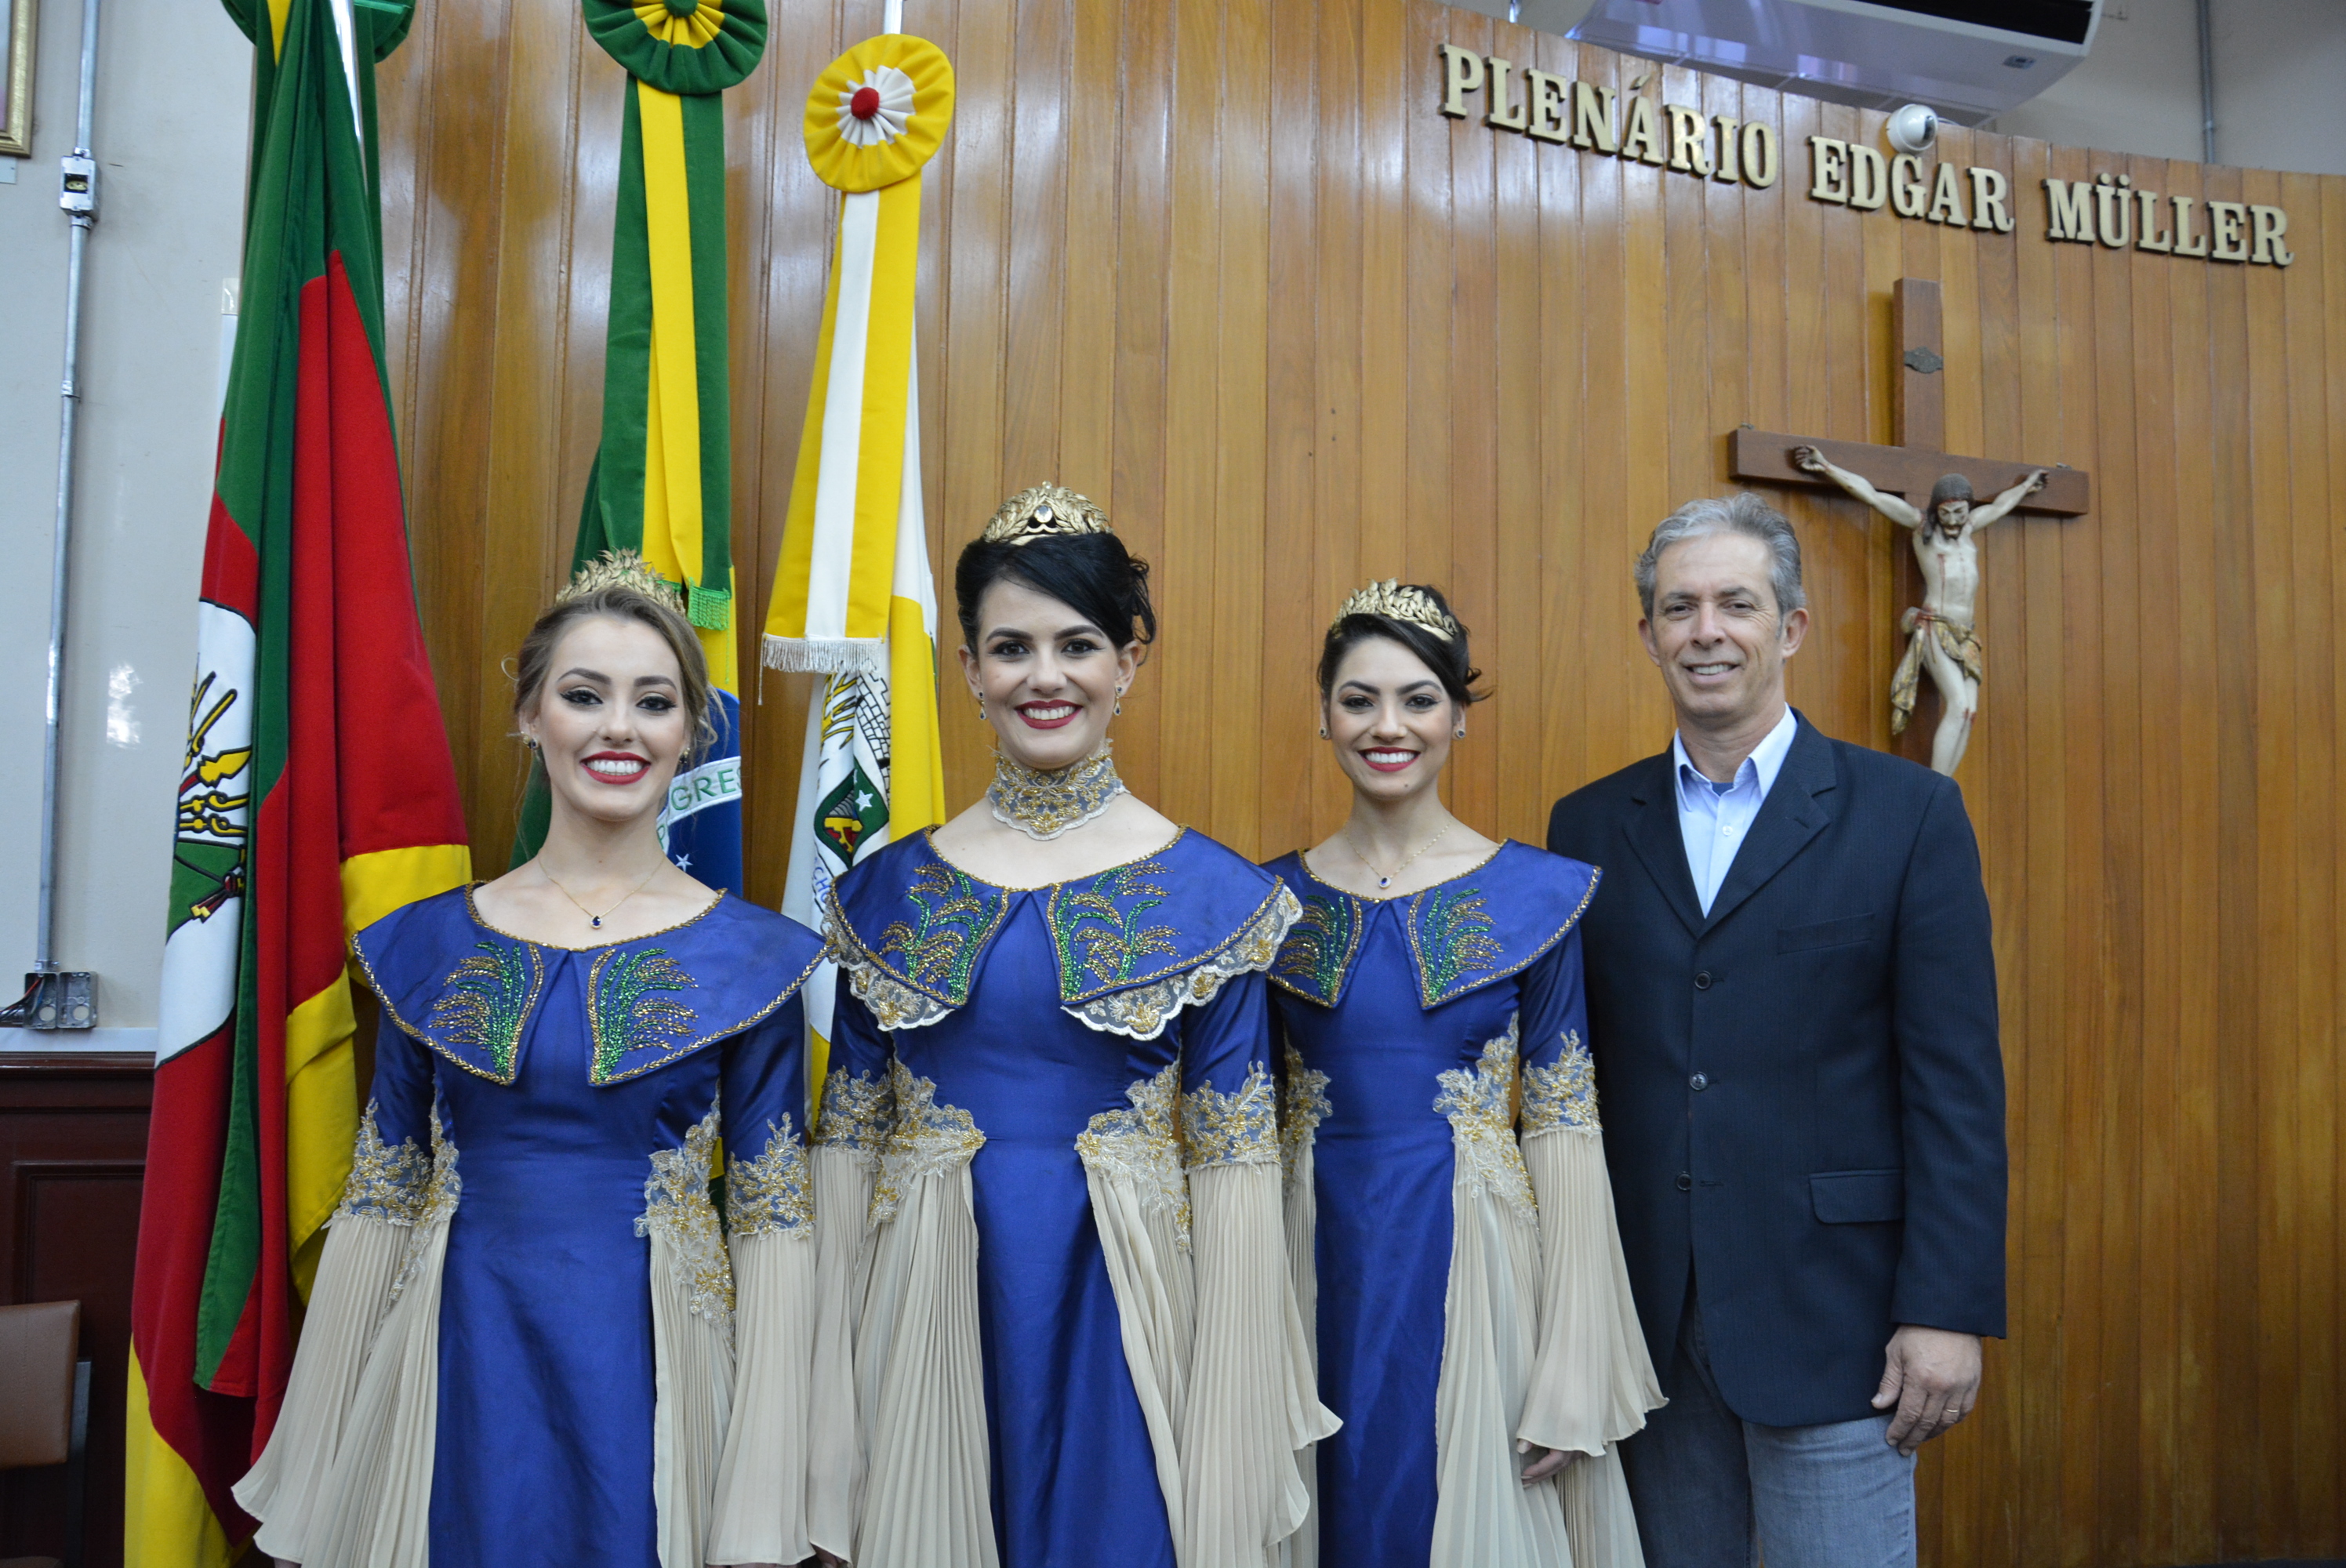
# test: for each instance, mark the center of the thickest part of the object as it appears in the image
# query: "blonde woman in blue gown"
(1069, 1338)
(533, 1338)
(1450, 1216)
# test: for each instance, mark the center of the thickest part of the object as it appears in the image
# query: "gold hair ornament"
(1396, 602)
(1045, 512)
(622, 569)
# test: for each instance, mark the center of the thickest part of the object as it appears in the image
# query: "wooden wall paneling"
(73, 1153)
(1339, 328)
(1615, 524)
(2033, 1032)
(2241, 1494)
(1144, 243)
(1232, 275)
(1236, 455)
(1464, 518)
(2311, 1239)
(2161, 952)
(2278, 652)
(2199, 847)
(1291, 615)
(1556, 682)
(1505, 736)
(2332, 960)
(2117, 527)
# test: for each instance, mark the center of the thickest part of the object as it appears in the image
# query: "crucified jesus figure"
(1941, 635)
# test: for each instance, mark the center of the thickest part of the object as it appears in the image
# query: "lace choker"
(1044, 805)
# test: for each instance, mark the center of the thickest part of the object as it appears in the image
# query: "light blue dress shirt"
(1715, 818)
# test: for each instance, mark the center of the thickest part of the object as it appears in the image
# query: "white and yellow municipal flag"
(854, 595)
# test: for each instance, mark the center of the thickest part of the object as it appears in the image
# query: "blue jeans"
(1715, 1491)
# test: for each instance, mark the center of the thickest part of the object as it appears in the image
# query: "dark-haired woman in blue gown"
(1448, 1206)
(533, 1338)
(1070, 1339)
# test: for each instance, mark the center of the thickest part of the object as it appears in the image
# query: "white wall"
(2277, 64)
(173, 107)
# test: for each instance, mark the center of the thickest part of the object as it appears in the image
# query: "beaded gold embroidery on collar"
(1044, 805)
(1399, 601)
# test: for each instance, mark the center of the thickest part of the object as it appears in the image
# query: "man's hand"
(1932, 1376)
(1808, 458)
(1550, 1460)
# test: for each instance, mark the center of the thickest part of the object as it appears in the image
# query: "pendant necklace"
(1384, 879)
(1043, 805)
(592, 918)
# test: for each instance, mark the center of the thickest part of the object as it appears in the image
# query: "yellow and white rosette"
(879, 112)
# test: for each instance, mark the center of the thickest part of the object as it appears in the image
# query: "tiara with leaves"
(1397, 602)
(1045, 512)
(621, 569)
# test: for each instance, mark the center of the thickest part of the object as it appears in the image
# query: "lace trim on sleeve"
(1480, 1103)
(678, 1209)
(927, 1139)
(1240, 1129)
(1563, 1096)
(390, 1185)
(773, 1192)
(1144, 1143)
(1143, 1012)
(857, 1110)
(1304, 1108)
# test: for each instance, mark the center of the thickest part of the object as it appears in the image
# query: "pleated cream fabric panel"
(843, 1178)
(692, 1370)
(1244, 1494)
(1485, 1517)
(1297, 1126)
(377, 1508)
(920, 1369)
(1593, 1381)
(760, 1513)
(286, 1489)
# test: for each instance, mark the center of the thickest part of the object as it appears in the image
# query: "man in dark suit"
(1792, 1007)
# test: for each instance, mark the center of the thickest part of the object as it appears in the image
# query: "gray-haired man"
(1792, 1007)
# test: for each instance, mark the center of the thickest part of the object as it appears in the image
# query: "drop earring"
(1119, 701)
(981, 706)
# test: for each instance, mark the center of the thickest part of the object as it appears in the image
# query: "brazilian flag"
(662, 481)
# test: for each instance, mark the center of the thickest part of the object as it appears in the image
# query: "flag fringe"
(827, 656)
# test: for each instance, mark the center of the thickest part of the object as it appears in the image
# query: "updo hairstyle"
(621, 601)
(1092, 574)
(1447, 659)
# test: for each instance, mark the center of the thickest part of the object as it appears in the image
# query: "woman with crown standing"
(532, 1340)
(1457, 1255)
(1071, 1331)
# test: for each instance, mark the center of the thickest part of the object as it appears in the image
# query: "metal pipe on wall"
(2206, 82)
(48, 1003)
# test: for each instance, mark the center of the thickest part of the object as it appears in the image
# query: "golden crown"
(622, 569)
(1397, 602)
(1045, 512)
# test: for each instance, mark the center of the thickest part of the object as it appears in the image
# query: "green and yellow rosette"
(681, 45)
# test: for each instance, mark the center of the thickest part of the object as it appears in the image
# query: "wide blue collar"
(474, 993)
(925, 925)
(1464, 934)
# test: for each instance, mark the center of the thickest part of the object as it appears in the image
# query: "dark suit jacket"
(1802, 1091)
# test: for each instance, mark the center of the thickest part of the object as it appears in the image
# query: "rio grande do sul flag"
(854, 595)
(317, 793)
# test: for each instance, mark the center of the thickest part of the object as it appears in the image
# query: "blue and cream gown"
(1458, 1257)
(1070, 1339)
(532, 1340)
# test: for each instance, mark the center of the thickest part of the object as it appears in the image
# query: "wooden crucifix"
(1942, 632)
